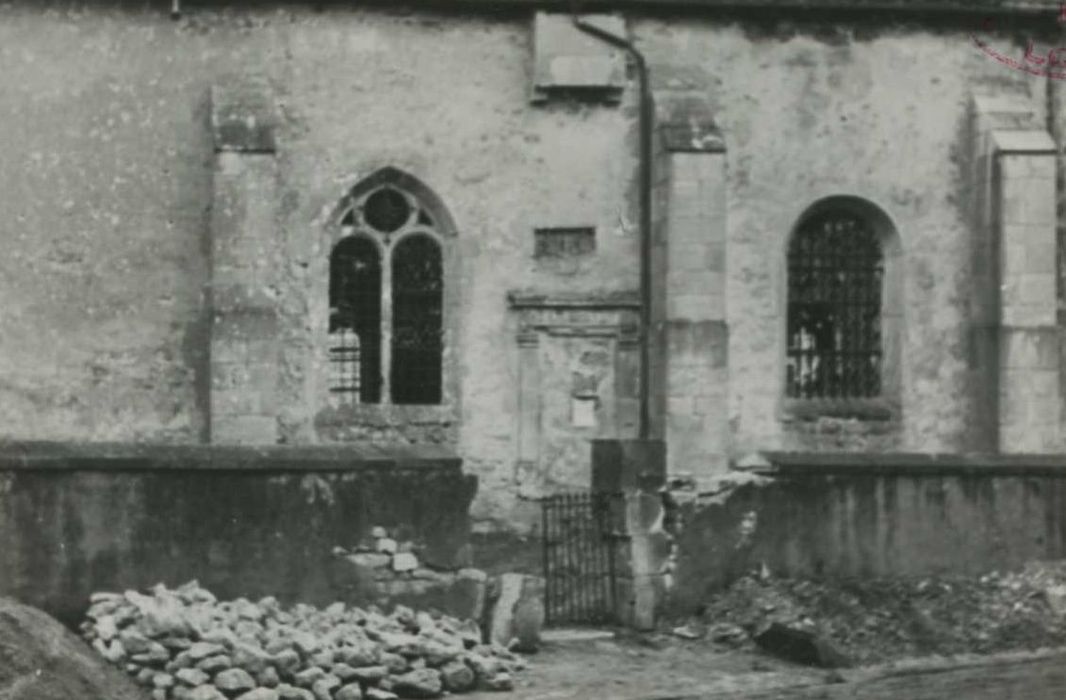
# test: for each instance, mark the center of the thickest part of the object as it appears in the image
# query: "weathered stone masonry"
(244, 258)
(140, 172)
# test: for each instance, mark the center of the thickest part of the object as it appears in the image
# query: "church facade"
(499, 230)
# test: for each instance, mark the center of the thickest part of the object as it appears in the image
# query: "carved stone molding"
(611, 316)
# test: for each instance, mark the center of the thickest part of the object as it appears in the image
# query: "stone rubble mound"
(184, 644)
(878, 620)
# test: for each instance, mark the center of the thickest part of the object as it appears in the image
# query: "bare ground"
(972, 637)
(632, 667)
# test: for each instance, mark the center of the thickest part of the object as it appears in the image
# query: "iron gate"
(581, 535)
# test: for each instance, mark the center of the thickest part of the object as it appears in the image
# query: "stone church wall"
(109, 178)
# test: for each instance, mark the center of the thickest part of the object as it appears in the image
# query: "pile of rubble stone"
(186, 645)
(877, 620)
(386, 568)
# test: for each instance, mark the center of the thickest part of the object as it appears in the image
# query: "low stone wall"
(246, 522)
(840, 515)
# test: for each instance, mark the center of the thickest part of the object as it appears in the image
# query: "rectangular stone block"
(1013, 169)
(1045, 382)
(245, 401)
(686, 285)
(715, 257)
(687, 306)
(696, 306)
(718, 375)
(1038, 289)
(1024, 439)
(244, 325)
(628, 465)
(244, 115)
(1028, 314)
(682, 380)
(226, 376)
(627, 417)
(244, 430)
(680, 406)
(1044, 411)
(1019, 146)
(241, 300)
(690, 257)
(1013, 409)
(243, 217)
(1029, 348)
(696, 342)
(1041, 255)
(686, 224)
(1043, 168)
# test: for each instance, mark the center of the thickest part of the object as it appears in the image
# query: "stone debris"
(518, 615)
(387, 567)
(802, 646)
(879, 620)
(184, 644)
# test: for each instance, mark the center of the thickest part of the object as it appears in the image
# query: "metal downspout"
(646, 120)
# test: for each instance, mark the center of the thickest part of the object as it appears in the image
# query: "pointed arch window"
(387, 300)
(834, 335)
(355, 320)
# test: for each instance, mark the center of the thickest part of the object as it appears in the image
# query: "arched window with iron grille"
(834, 324)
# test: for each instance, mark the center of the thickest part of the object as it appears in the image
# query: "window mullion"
(386, 327)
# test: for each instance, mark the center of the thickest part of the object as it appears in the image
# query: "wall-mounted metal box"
(566, 60)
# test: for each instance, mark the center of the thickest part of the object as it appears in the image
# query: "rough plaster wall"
(883, 117)
(103, 189)
(103, 314)
(106, 187)
(501, 167)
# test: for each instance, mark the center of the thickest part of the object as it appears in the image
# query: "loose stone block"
(519, 613)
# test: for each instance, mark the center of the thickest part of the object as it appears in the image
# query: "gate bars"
(581, 533)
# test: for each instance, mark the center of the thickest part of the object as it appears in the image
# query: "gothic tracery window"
(387, 302)
(835, 270)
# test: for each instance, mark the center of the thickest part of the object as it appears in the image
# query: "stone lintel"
(518, 299)
(1037, 142)
(233, 298)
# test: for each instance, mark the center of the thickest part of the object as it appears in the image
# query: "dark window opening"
(417, 327)
(835, 270)
(563, 242)
(355, 319)
(386, 210)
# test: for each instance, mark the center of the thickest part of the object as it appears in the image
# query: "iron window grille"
(835, 271)
(386, 320)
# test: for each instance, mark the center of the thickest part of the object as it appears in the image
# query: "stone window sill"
(810, 410)
(387, 415)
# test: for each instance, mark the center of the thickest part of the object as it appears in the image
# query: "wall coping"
(962, 7)
(100, 456)
(798, 464)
